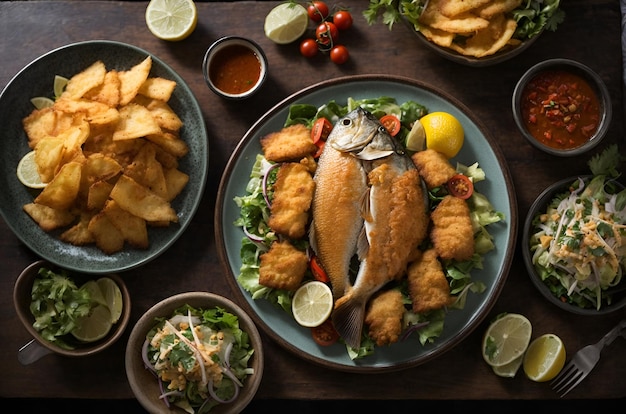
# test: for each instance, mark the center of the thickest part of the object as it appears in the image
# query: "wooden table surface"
(590, 34)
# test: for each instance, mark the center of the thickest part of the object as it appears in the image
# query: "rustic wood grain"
(29, 29)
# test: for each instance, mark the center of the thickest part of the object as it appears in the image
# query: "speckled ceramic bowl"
(597, 85)
(143, 382)
(37, 79)
(41, 347)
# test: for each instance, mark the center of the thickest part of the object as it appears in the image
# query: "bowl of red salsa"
(562, 107)
(234, 67)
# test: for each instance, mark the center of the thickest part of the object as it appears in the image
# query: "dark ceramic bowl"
(37, 79)
(539, 206)
(40, 346)
(216, 64)
(143, 382)
(597, 86)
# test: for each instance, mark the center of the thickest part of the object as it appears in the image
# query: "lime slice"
(312, 303)
(544, 358)
(416, 138)
(27, 172)
(112, 296)
(506, 339)
(40, 102)
(60, 83)
(286, 22)
(171, 20)
(95, 292)
(94, 326)
(509, 370)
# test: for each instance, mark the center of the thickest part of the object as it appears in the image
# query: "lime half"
(112, 296)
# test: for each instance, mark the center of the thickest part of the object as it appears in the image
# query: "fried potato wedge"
(135, 122)
(61, 192)
(132, 80)
(107, 236)
(48, 218)
(140, 201)
(82, 82)
(158, 88)
(133, 228)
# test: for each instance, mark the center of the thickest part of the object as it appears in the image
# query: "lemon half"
(171, 20)
(544, 358)
(444, 133)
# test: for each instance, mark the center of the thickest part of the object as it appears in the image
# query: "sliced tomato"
(318, 272)
(320, 147)
(325, 334)
(461, 186)
(321, 129)
(391, 124)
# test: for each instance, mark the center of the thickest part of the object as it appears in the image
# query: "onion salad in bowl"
(199, 356)
(576, 242)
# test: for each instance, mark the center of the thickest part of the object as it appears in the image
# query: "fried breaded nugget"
(433, 167)
(428, 286)
(283, 266)
(293, 193)
(384, 317)
(289, 144)
(452, 232)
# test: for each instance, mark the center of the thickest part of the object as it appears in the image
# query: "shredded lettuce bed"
(254, 215)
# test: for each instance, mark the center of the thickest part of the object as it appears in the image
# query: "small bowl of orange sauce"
(234, 67)
(562, 107)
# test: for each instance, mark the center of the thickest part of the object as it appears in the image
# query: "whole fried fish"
(390, 220)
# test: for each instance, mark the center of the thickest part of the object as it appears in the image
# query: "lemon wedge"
(286, 22)
(27, 172)
(544, 358)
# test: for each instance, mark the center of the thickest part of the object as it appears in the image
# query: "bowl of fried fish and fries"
(473, 32)
(121, 151)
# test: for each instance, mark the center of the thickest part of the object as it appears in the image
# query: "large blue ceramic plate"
(37, 79)
(498, 187)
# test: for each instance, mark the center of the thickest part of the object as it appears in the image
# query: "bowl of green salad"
(194, 352)
(573, 240)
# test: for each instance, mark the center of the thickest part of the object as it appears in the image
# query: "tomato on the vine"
(342, 19)
(308, 48)
(339, 54)
(391, 123)
(320, 130)
(327, 33)
(317, 10)
(325, 334)
(460, 186)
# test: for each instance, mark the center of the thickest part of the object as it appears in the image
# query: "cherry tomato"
(391, 124)
(339, 54)
(327, 33)
(318, 272)
(460, 186)
(317, 10)
(308, 48)
(321, 129)
(342, 19)
(320, 147)
(325, 334)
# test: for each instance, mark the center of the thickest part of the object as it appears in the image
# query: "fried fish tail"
(348, 317)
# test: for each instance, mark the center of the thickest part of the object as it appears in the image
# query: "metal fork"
(583, 362)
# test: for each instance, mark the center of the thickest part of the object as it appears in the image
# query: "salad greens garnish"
(200, 357)
(255, 213)
(577, 243)
(56, 304)
(532, 16)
